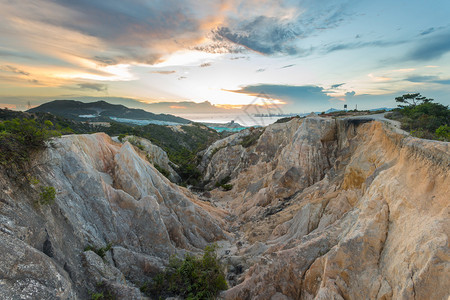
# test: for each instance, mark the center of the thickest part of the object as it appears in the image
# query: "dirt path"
(392, 124)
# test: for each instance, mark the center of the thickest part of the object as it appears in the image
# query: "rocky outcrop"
(154, 154)
(106, 193)
(319, 208)
(346, 209)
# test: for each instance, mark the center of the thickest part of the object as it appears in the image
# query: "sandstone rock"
(155, 155)
(106, 193)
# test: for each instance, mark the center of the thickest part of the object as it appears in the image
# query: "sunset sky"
(301, 55)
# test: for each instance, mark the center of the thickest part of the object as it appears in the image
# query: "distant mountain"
(102, 111)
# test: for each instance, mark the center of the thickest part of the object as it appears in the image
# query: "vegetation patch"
(99, 251)
(102, 293)
(217, 150)
(192, 278)
(287, 119)
(181, 146)
(47, 195)
(252, 138)
(422, 117)
(19, 139)
(224, 183)
(161, 170)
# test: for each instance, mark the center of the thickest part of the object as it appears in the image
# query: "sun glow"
(186, 58)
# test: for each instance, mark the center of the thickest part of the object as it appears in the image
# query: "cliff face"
(344, 210)
(156, 156)
(106, 193)
(319, 209)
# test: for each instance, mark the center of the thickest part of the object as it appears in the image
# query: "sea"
(243, 119)
(222, 120)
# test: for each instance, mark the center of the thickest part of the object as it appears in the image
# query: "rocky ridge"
(106, 193)
(346, 209)
(320, 208)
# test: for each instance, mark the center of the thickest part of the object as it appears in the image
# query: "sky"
(192, 56)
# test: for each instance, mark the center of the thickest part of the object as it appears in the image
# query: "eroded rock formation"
(319, 209)
(106, 193)
(345, 210)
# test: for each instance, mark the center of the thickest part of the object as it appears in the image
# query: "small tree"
(412, 100)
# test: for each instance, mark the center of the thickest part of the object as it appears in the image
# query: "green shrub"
(227, 187)
(100, 251)
(161, 170)
(224, 183)
(19, 138)
(443, 133)
(122, 136)
(97, 296)
(422, 120)
(102, 293)
(47, 195)
(192, 278)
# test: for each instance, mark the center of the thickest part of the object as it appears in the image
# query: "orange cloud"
(177, 107)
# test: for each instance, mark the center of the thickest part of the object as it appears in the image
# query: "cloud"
(431, 30)
(427, 79)
(11, 69)
(358, 45)
(93, 86)
(239, 57)
(287, 66)
(335, 86)
(164, 72)
(428, 31)
(431, 48)
(263, 35)
(298, 98)
(278, 29)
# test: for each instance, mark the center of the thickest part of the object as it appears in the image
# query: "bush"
(122, 136)
(192, 278)
(161, 170)
(443, 133)
(224, 183)
(227, 187)
(47, 195)
(102, 293)
(19, 138)
(423, 120)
